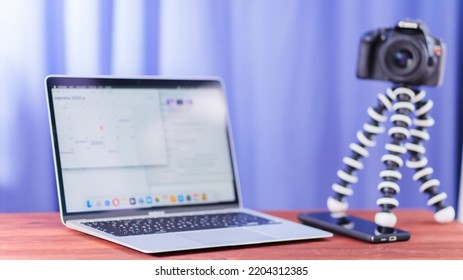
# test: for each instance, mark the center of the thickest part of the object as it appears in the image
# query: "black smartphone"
(354, 227)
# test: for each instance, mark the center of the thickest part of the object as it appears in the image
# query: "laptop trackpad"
(225, 237)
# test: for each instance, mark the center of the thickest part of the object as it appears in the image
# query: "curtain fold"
(289, 70)
(295, 103)
(45, 37)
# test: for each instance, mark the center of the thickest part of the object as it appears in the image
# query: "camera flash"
(408, 24)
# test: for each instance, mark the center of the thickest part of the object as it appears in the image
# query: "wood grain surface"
(43, 236)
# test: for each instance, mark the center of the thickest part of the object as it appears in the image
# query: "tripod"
(403, 100)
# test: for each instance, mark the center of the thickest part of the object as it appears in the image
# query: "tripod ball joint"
(336, 206)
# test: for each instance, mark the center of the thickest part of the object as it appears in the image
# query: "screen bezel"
(136, 83)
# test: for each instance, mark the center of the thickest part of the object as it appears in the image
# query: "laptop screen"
(130, 144)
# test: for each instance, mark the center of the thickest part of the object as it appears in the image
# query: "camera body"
(405, 54)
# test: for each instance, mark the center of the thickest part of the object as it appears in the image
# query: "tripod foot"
(445, 215)
(385, 219)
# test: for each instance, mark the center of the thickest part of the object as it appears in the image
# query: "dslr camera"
(405, 55)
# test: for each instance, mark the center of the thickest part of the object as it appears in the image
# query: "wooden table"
(42, 236)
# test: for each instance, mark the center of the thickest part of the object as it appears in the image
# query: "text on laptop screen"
(123, 148)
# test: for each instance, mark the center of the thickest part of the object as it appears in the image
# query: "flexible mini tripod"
(403, 101)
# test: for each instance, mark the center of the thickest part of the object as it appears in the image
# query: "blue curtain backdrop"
(289, 68)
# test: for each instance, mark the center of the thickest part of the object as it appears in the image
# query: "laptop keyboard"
(177, 223)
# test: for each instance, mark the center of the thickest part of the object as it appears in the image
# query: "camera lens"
(402, 58)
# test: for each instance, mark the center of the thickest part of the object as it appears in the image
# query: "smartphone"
(354, 227)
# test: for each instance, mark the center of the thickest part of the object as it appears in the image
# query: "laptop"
(148, 163)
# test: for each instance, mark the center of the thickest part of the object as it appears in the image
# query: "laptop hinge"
(157, 213)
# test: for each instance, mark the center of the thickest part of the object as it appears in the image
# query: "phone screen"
(354, 227)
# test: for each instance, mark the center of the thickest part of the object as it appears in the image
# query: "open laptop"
(148, 163)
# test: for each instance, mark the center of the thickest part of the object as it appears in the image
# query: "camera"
(405, 54)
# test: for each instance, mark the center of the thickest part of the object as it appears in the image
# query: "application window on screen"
(132, 148)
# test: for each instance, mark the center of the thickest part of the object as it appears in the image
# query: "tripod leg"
(337, 203)
(399, 132)
(417, 161)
